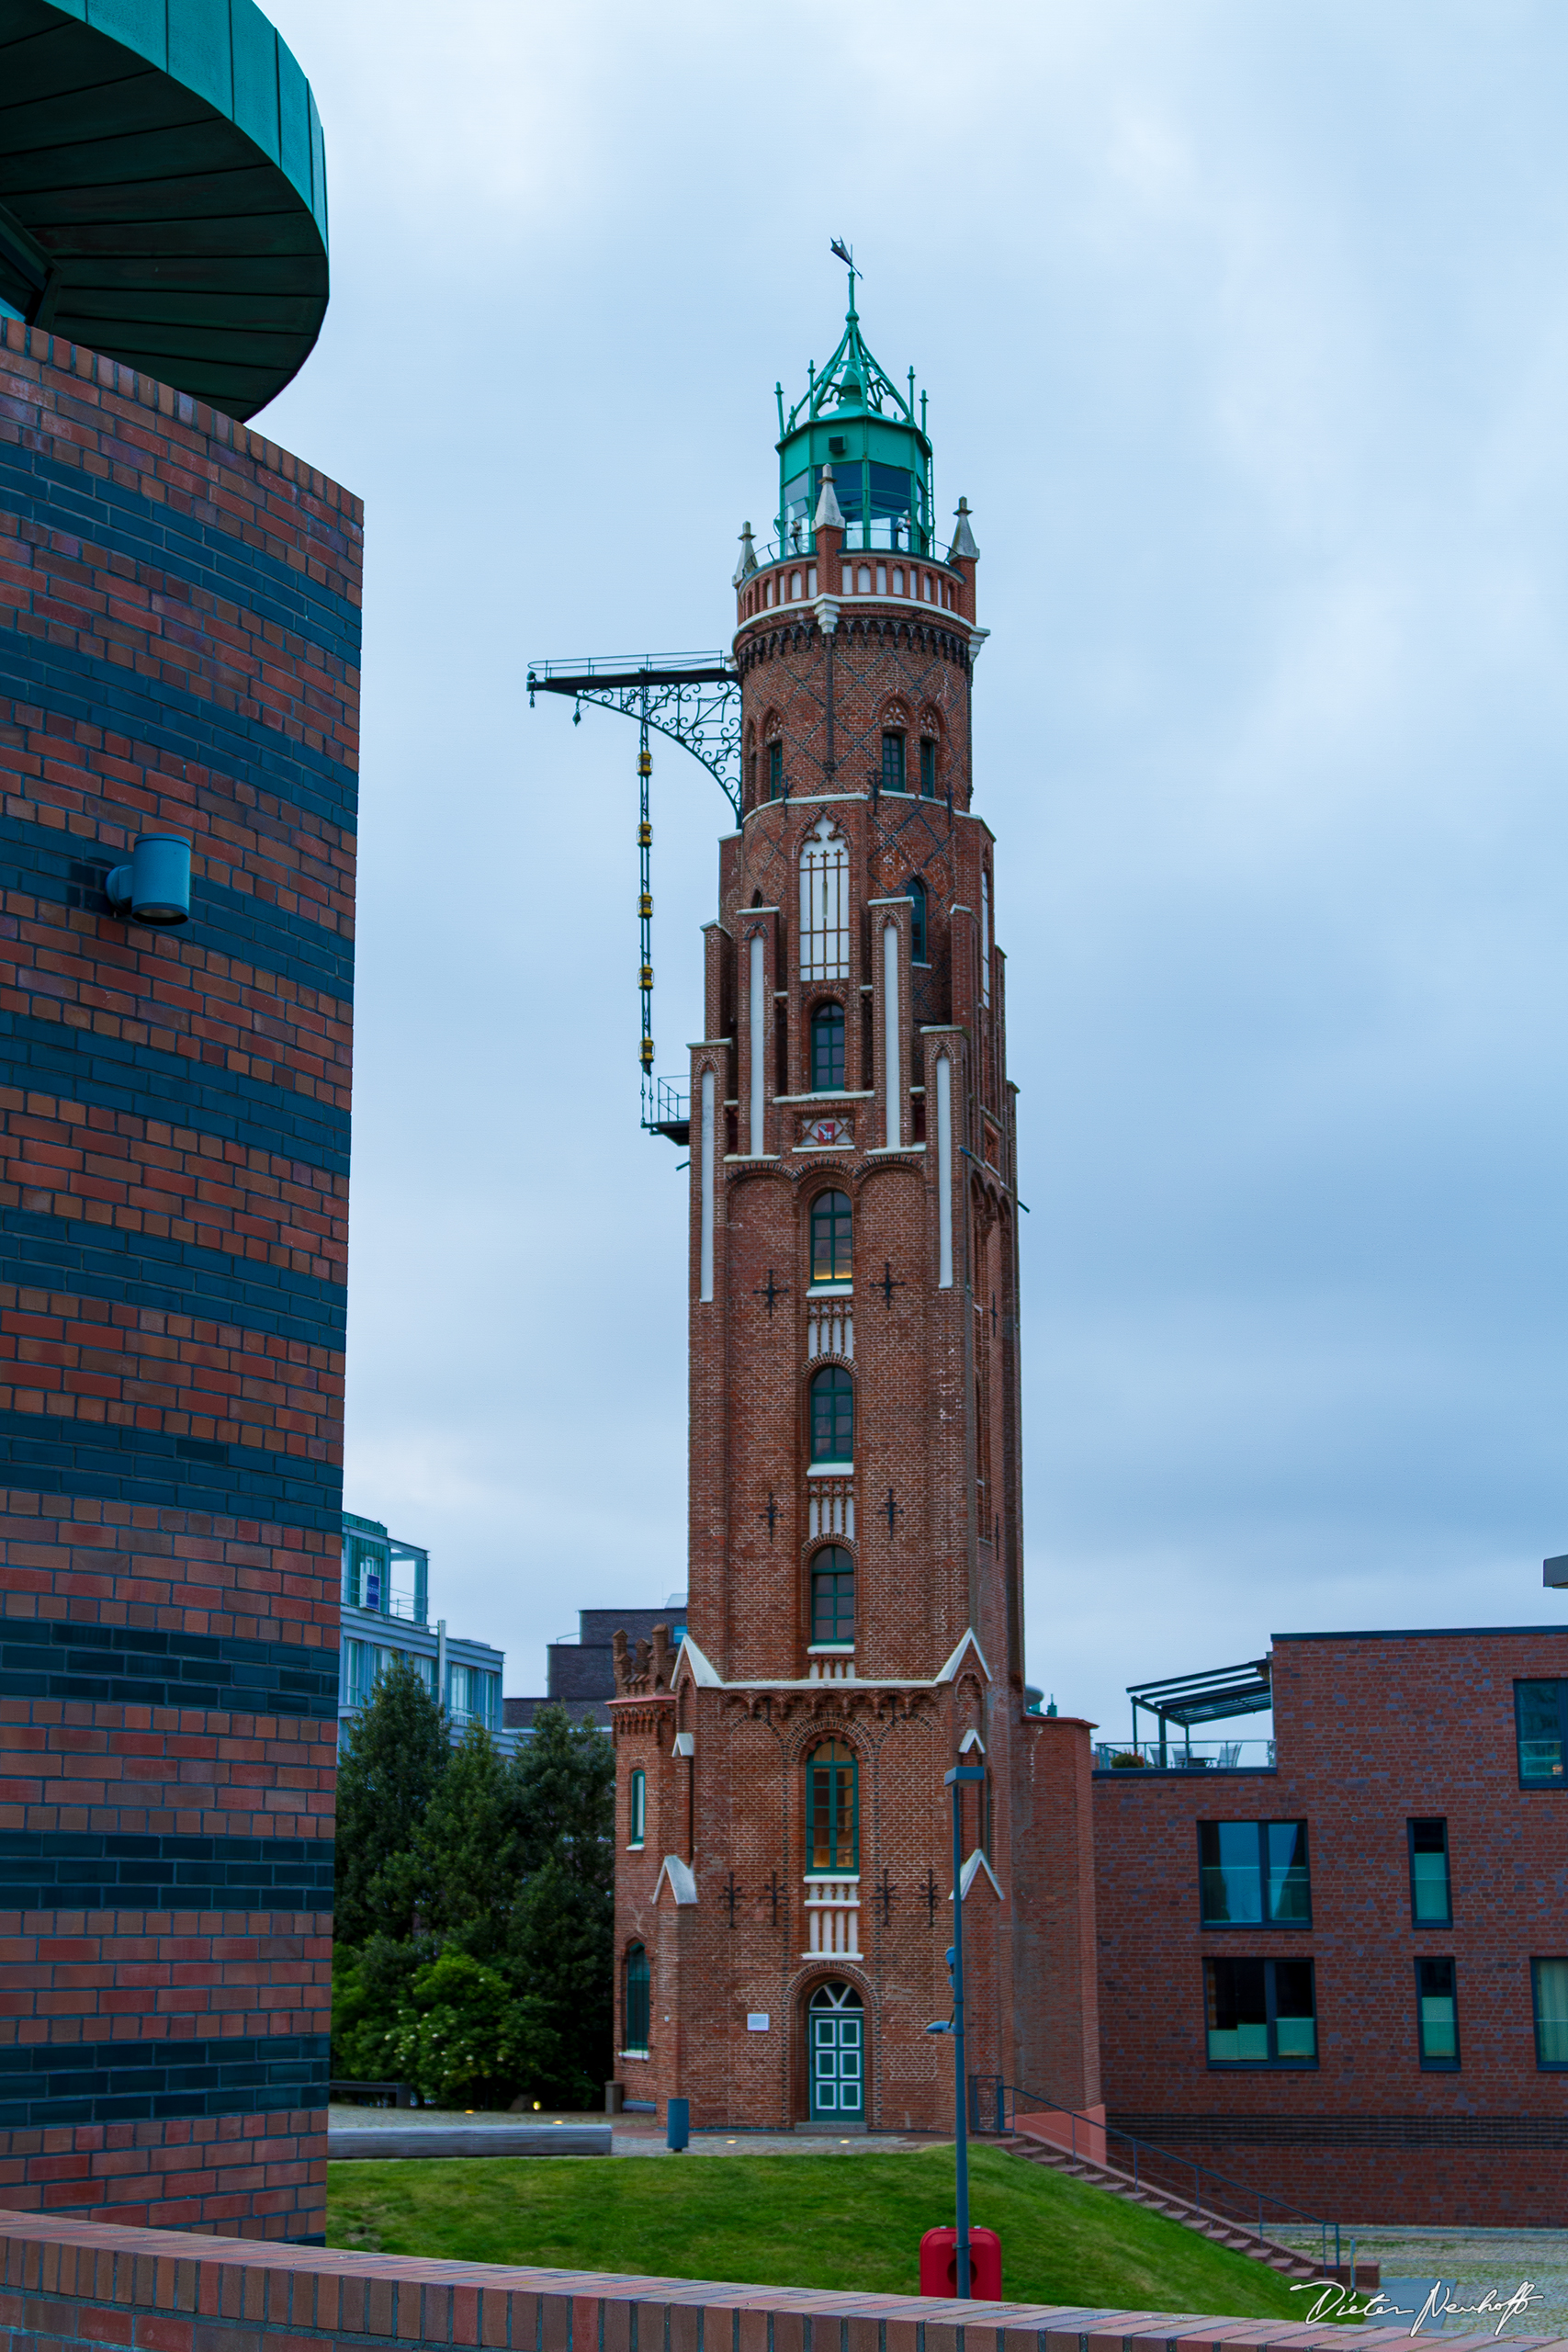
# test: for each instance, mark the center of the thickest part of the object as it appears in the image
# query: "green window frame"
(1437, 2016)
(1260, 2014)
(636, 1809)
(1254, 1874)
(893, 763)
(1548, 1998)
(635, 2003)
(833, 1595)
(833, 1811)
(1541, 1722)
(927, 767)
(775, 769)
(1431, 1889)
(915, 891)
(827, 1049)
(832, 1237)
(833, 1416)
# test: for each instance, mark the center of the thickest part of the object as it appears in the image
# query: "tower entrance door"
(836, 2046)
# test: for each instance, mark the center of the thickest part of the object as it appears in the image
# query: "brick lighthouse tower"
(855, 1619)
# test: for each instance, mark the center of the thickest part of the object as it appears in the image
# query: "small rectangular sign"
(757, 2020)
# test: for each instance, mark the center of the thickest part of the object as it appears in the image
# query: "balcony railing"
(1178, 1755)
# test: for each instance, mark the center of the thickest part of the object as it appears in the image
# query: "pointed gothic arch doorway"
(835, 2054)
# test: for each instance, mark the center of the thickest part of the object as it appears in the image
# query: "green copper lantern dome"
(163, 190)
(855, 419)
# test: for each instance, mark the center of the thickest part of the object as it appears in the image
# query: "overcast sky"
(1246, 331)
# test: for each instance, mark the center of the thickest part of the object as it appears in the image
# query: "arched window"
(832, 1809)
(827, 1049)
(984, 936)
(927, 767)
(833, 1595)
(915, 890)
(775, 769)
(832, 1416)
(832, 1237)
(824, 904)
(893, 762)
(636, 1809)
(634, 2006)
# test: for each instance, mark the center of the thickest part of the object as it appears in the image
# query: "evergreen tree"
(467, 1848)
(394, 1757)
(562, 1927)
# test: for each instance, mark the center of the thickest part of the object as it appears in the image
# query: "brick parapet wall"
(179, 644)
(89, 2284)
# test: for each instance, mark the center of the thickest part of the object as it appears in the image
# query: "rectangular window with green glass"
(1260, 2012)
(1437, 2015)
(1254, 1874)
(1431, 1897)
(1549, 1987)
(1541, 1717)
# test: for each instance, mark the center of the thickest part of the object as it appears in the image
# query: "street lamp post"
(960, 1776)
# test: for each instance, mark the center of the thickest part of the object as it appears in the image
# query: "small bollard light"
(678, 2129)
(155, 886)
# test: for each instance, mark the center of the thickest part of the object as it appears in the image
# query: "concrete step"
(1234, 2235)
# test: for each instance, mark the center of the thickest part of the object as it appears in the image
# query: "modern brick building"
(179, 648)
(1344, 1976)
(580, 1675)
(855, 1621)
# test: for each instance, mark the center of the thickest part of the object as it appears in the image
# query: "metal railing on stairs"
(995, 2104)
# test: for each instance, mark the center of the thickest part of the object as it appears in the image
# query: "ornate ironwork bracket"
(693, 699)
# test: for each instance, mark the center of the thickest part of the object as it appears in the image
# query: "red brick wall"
(936, 1487)
(76, 2285)
(179, 610)
(1371, 1732)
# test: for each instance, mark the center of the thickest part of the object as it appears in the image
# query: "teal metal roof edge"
(227, 52)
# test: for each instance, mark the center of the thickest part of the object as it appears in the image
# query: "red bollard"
(939, 2264)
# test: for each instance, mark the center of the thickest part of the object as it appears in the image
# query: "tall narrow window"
(1549, 1985)
(927, 767)
(893, 763)
(833, 1595)
(775, 769)
(1260, 2012)
(1541, 1710)
(1431, 1901)
(984, 936)
(636, 1809)
(832, 1236)
(915, 891)
(1437, 2014)
(827, 1049)
(751, 777)
(824, 905)
(634, 2010)
(833, 1415)
(832, 1825)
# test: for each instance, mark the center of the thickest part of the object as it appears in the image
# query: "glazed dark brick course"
(1371, 1731)
(145, 1667)
(179, 605)
(65, 1256)
(39, 1872)
(50, 2084)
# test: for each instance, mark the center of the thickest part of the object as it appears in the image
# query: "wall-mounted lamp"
(155, 886)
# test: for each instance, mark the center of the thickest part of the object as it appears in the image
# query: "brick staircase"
(1163, 2200)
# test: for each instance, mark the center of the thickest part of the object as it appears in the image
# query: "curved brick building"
(855, 1614)
(179, 642)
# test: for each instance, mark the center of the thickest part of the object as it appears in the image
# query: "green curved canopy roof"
(164, 189)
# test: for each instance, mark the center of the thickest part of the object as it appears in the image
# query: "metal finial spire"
(846, 254)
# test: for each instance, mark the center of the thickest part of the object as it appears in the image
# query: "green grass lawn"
(802, 2221)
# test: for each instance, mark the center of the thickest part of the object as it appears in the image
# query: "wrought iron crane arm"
(695, 699)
